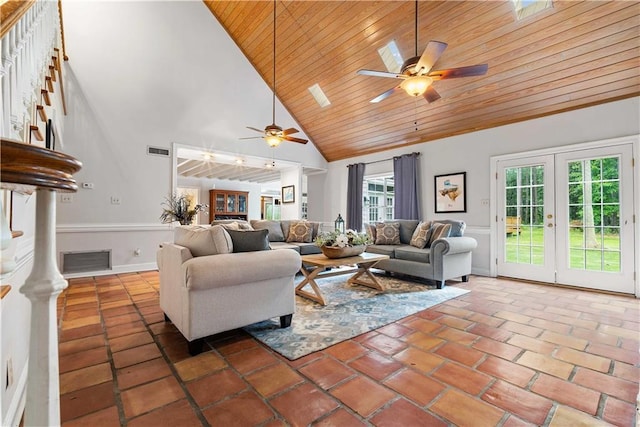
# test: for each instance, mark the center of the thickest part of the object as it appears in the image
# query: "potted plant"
(178, 208)
(336, 244)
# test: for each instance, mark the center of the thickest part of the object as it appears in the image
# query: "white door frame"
(493, 192)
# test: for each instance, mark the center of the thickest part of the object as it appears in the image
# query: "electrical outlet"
(115, 200)
(66, 198)
(87, 185)
(137, 252)
(9, 381)
(484, 202)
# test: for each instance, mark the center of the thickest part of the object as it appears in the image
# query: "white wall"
(152, 73)
(471, 153)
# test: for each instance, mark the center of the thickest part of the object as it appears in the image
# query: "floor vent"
(158, 151)
(78, 262)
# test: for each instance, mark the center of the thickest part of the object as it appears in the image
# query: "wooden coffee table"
(320, 262)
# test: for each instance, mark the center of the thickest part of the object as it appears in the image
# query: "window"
(525, 8)
(378, 198)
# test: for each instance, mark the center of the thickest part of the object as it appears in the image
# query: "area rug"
(351, 310)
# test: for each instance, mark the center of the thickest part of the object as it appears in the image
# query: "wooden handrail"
(26, 164)
(11, 12)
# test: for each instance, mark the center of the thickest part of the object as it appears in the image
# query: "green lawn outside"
(527, 248)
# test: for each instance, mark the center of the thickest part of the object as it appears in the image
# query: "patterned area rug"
(350, 311)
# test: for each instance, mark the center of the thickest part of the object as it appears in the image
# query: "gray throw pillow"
(274, 228)
(249, 240)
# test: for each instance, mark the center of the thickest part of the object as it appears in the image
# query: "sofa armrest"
(452, 245)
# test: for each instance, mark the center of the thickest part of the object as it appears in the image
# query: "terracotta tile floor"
(508, 353)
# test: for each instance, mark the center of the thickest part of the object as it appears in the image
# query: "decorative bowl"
(347, 251)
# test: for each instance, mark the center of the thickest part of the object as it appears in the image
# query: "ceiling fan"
(273, 133)
(416, 72)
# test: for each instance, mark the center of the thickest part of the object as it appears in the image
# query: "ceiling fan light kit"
(416, 85)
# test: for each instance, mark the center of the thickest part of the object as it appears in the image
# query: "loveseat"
(433, 250)
(214, 280)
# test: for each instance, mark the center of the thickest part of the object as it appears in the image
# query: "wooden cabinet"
(224, 204)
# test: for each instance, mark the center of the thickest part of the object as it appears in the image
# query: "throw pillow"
(249, 240)
(300, 232)
(203, 241)
(388, 233)
(421, 235)
(438, 231)
(231, 226)
(275, 231)
(371, 231)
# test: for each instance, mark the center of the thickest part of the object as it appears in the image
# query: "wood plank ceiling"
(574, 55)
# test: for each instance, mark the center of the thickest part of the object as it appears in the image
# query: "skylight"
(391, 57)
(525, 8)
(319, 95)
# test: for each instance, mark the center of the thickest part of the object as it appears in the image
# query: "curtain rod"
(417, 153)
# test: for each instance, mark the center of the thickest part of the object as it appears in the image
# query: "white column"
(42, 288)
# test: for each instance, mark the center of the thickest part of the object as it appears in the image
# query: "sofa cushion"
(242, 224)
(407, 227)
(284, 245)
(387, 233)
(275, 231)
(250, 240)
(237, 225)
(421, 235)
(203, 241)
(438, 231)
(300, 232)
(382, 250)
(411, 253)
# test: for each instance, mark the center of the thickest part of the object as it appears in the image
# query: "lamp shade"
(416, 85)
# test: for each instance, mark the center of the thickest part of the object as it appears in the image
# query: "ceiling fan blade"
(431, 54)
(293, 139)
(251, 137)
(381, 74)
(450, 73)
(384, 95)
(290, 131)
(431, 94)
(257, 130)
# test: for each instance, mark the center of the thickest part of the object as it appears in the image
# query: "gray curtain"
(354, 196)
(406, 183)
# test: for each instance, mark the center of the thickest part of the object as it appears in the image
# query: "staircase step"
(42, 113)
(45, 96)
(35, 131)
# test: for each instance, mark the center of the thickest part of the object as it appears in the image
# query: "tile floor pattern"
(506, 354)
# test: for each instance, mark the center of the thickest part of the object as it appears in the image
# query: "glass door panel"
(242, 203)
(220, 202)
(231, 203)
(595, 195)
(524, 203)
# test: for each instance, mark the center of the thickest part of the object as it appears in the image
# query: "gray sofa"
(279, 234)
(446, 258)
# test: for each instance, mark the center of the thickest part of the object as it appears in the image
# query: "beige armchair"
(206, 294)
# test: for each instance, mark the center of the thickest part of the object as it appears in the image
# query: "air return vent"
(158, 151)
(78, 262)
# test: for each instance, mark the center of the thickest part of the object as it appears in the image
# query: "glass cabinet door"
(242, 203)
(231, 203)
(220, 202)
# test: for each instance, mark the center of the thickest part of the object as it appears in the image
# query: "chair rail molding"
(109, 228)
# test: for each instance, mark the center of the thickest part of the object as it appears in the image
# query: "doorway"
(568, 217)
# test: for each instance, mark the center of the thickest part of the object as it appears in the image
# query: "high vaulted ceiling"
(573, 55)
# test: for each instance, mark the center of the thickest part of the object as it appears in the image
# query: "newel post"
(42, 288)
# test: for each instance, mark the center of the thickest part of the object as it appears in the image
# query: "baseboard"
(118, 269)
(480, 271)
(16, 406)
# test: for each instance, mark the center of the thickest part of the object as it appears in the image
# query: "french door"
(567, 218)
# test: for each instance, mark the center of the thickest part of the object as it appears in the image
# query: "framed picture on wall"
(288, 194)
(451, 192)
